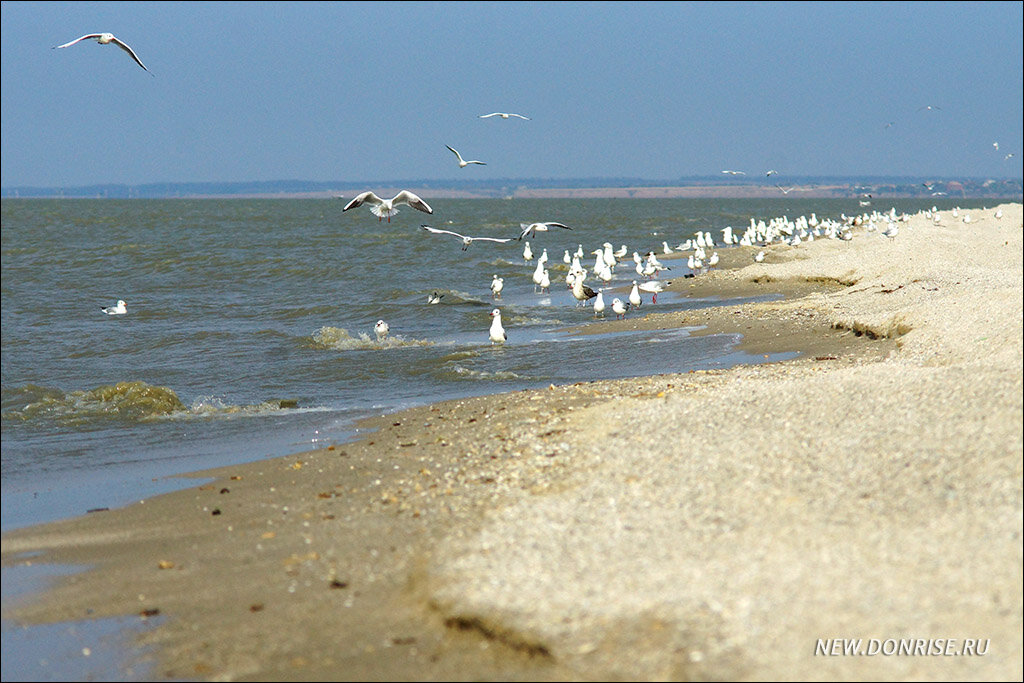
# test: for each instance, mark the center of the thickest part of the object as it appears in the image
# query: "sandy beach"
(709, 525)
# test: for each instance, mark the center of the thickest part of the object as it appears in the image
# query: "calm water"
(249, 330)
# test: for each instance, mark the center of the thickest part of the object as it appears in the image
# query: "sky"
(367, 91)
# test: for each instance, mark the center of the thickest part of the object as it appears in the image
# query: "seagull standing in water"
(533, 228)
(466, 240)
(382, 329)
(462, 162)
(634, 296)
(599, 304)
(106, 39)
(434, 298)
(498, 335)
(619, 308)
(504, 115)
(120, 309)
(385, 208)
(496, 286)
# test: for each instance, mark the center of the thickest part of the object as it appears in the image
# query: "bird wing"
(438, 231)
(455, 153)
(406, 197)
(364, 197)
(493, 239)
(124, 46)
(78, 40)
(527, 118)
(557, 225)
(484, 116)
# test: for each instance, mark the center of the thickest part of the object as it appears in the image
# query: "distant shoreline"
(626, 188)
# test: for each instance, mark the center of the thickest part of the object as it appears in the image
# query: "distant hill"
(697, 186)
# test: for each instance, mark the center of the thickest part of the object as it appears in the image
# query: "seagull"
(785, 190)
(735, 172)
(434, 298)
(462, 163)
(581, 292)
(496, 285)
(770, 173)
(545, 281)
(106, 39)
(386, 207)
(466, 240)
(119, 309)
(996, 145)
(599, 304)
(498, 335)
(929, 108)
(634, 296)
(653, 287)
(382, 329)
(532, 228)
(504, 115)
(619, 308)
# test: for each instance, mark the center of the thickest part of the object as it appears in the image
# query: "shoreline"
(701, 525)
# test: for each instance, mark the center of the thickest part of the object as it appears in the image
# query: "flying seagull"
(532, 228)
(386, 207)
(463, 163)
(106, 39)
(929, 108)
(735, 172)
(785, 190)
(504, 115)
(466, 240)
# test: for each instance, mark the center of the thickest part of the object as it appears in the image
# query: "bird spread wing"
(483, 116)
(78, 40)
(455, 153)
(493, 239)
(525, 118)
(557, 225)
(442, 232)
(406, 197)
(361, 198)
(124, 46)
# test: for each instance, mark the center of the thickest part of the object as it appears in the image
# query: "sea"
(249, 330)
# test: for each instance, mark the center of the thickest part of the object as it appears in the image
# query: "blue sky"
(374, 91)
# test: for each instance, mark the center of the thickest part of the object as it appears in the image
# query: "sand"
(718, 524)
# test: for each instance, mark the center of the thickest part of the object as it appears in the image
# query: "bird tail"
(380, 212)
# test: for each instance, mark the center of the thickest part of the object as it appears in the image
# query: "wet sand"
(712, 524)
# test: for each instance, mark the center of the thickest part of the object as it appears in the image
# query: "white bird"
(545, 281)
(462, 162)
(498, 335)
(599, 304)
(382, 329)
(496, 286)
(760, 257)
(382, 208)
(532, 228)
(120, 309)
(527, 253)
(653, 287)
(770, 173)
(785, 190)
(734, 172)
(466, 239)
(634, 296)
(106, 39)
(434, 298)
(504, 115)
(618, 308)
